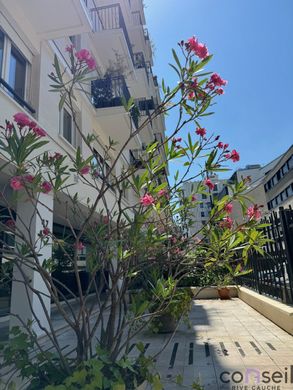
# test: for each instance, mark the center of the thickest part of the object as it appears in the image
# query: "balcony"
(110, 33)
(50, 19)
(109, 92)
(108, 95)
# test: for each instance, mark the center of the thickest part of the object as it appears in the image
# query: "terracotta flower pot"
(224, 293)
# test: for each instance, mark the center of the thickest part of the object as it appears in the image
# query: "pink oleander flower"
(22, 119)
(46, 187)
(191, 95)
(209, 184)
(91, 63)
(39, 131)
(16, 183)
(69, 48)
(220, 145)
(105, 219)
(193, 198)
(147, 200)
(29, 178)
(253, 212)
(85, 170)
(198, 48)
(84, 55)
(226, 146)
(217, 80)
(57, 156)
(228, 208)
(32, 124)
(219, 91)
(175, 140)
(234, 156)
(226, 223)
(210, 86)
(10, 224)
(201, 131)
(79, 245)
(46, 231)
(162, 193)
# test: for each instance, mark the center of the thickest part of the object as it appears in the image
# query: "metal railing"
(16, 97)
(139, 62)
(109, 92)
(110, 18)
(272, 274)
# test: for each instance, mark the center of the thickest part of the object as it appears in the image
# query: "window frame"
(74, 136)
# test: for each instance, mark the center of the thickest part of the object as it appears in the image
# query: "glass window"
(17, 71)
(68, 127)
(203, 196)
(1, 51)
(290, 162)
(202, 214)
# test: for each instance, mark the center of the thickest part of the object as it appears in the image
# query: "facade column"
(25, 302)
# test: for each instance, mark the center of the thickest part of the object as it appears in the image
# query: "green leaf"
(176, 59)
(62, 101)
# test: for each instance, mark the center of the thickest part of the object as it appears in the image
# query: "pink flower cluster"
(201, 131)
(23, 120)
(216, 81)
(84, 56)
(147, 200)
(253, 212)
(226, 223)
(209, 184)
(85, 170)
(18, 183)
(199, 49)
(234, 156)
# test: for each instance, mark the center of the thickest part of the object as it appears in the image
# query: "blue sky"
(252, 45)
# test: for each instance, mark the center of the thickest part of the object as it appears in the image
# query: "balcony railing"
(136, 18)
(110, 18)
(109, 92)
(139, 62)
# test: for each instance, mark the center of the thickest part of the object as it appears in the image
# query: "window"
(75, 40)
(202, 214)
(17, 72)
(102, 167)
(203, 196)
(68, 127)
(1, 51)
(201, 205)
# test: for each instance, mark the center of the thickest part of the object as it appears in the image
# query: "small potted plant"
(171, 303)
(222, 284)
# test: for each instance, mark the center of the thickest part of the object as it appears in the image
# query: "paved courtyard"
(228, 346)
(228, 340)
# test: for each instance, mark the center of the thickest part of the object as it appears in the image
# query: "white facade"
(201, 212)
(31, 33)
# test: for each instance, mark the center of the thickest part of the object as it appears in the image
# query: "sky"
(252, 46)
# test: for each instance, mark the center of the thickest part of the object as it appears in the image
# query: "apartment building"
(200, 213)
(271, 185)
(31, 33)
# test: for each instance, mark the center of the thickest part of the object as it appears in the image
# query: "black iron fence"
(272, 274)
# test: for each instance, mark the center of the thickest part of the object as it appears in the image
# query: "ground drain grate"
(173, 355)
(255, 347)
(224, 350)
(190, 356)
(242, 353)
(271, 346)
(207, 349)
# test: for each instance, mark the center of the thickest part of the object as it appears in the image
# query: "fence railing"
(109, 92)
(272, 274)
(110, 18)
